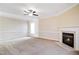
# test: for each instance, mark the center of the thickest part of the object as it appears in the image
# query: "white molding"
(66, 10)
(16, 39)
(47, 38)
(60, 12)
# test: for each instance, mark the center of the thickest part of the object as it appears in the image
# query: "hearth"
(68, 39)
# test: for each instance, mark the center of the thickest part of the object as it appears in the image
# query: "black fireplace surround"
(68, 39)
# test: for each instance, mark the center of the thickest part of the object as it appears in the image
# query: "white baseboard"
(48, 38)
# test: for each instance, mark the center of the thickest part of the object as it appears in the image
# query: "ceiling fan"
(30, 12)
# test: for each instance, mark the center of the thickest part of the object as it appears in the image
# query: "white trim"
(60, 12)
(66, 10)
(48, 38)
(8, 41)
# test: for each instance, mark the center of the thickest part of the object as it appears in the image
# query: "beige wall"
(49, 27)
(12, 28)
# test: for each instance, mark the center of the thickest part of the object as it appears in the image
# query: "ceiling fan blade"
(25, 11)
(35, 14)
(30, 10)
(26, 14)
(34, 11)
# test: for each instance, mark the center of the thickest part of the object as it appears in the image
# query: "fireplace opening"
(68, 39)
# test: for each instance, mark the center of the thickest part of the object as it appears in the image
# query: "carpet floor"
(34, 46)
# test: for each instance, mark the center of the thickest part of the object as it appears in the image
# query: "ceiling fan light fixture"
(30, 12)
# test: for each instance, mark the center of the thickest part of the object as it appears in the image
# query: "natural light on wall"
(32, 28)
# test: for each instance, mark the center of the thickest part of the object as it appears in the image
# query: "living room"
(39, 28)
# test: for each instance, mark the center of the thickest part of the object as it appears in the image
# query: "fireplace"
(68, 39)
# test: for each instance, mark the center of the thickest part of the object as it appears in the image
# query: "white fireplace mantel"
(75, 31)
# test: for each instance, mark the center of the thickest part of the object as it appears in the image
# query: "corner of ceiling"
(61, 12)
(66, 9)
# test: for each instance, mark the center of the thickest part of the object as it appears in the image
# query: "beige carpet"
(34, 47)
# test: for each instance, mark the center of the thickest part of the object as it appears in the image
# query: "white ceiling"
(43, 9)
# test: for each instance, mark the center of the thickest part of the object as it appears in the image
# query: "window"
(32, 27)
